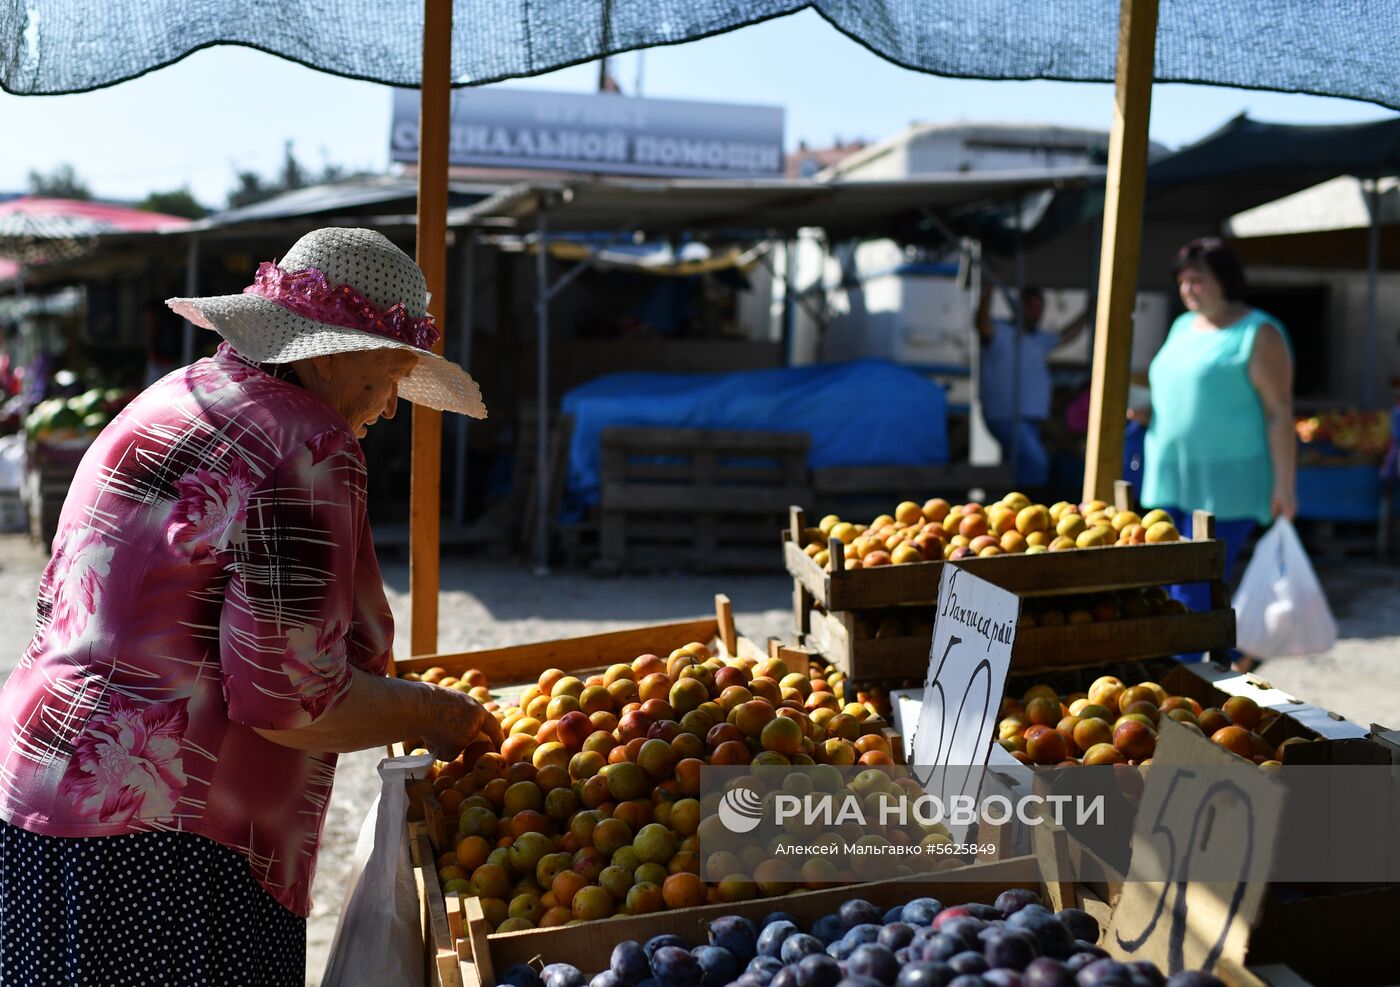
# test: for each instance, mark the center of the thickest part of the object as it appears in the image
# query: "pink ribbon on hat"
(307, 293)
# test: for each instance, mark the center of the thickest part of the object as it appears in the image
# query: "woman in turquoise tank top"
(1220, 436)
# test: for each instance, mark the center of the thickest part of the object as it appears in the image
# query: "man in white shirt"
(998, 381)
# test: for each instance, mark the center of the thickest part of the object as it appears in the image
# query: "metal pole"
(1018, 315)
(191, 290)
(459, 476)
(789, 312)
(542, 386)
(1373, 259)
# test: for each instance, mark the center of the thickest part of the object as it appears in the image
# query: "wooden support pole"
(425, 495)
(1122, 244)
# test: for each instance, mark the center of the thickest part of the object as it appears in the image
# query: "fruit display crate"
(698, 499)
(1085, 570)
(471, 956)
(836, 637)
(451, 921)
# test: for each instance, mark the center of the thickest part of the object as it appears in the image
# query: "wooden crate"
(696, 498)
(524, 662)
(464, 952)
(1083, 570)
(834, 636)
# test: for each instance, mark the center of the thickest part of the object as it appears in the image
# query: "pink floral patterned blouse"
(213, 572)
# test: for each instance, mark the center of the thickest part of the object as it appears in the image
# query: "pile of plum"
(1017, 942)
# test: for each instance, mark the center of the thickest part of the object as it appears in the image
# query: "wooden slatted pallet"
(696, 498)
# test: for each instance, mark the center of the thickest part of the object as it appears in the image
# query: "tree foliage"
(175, 202)
(61, 183)
(250, 186)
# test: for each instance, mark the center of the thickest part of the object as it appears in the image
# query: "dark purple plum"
(1104, 972)
(749, 980)
(1002, 978)
(969, 962)
(1081, 924)
(858, 911)
(798, 945)
(818, 970)
(852, 980)
(896, 935)
(893, 914)
(828, 928)
(764, 967)
(718, 966)
(770, 940)
(859, 935)
(967, 980)
(967, 930)
(562, 975)
(943, 947)
(1045, 972)
(609, 979)
(1033, 912)
(1079, 961)
(1013, 900)
(1147, 972)
(786, 977)
(1194, 978)
(524, 975)
(922, 973)
(1011, 950)
(629, 962)
(985, 912)
(921, 911)
(874, 961)
(1090, 949)
(1054, 938)
(772, 917)
(673, 966)
(656, 942)
(736, 934)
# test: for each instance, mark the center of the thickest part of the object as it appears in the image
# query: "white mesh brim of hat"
(266, 332)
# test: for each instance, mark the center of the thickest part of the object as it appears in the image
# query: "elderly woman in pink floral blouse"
(212, 630)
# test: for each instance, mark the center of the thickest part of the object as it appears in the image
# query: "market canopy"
(1243, 164)
(63, 46)
(894, 208)
(364, 194)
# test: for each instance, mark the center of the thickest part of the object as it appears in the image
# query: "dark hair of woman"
(1215, 256)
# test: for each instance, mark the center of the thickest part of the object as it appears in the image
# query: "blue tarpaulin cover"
(866, 413)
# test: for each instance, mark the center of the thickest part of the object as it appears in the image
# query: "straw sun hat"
(339, 291)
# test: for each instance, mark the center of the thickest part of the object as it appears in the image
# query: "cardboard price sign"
(973, 633)
(1206, 823)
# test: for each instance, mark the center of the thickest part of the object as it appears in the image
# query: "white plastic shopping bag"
(378, 939)
(1280, 609)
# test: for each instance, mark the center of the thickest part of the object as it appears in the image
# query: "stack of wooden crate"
(696, 498)
(833, 611)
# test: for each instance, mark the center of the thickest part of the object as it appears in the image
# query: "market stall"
(1080, 37)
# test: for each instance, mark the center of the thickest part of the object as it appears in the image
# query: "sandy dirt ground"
(492, 604)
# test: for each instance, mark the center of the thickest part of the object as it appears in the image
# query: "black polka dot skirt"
(171, 909)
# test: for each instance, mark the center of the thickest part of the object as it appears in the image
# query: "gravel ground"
(491, 604)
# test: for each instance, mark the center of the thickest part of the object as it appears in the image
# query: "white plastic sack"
(1280, 609)
(12, 463)
(378, 939)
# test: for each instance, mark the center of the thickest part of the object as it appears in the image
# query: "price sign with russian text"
(973, 633)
